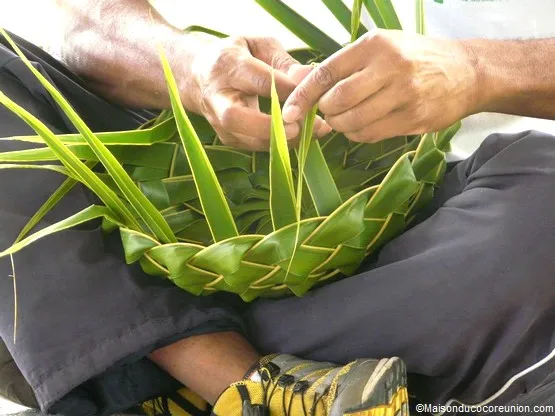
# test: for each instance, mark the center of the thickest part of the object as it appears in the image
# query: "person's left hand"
(390, 83)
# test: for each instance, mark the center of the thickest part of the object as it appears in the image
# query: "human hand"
(228, 75)
(390, 83)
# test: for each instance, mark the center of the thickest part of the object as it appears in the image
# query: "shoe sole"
(385, 393)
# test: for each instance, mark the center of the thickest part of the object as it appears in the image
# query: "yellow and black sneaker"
(286, 385)
(184, 402)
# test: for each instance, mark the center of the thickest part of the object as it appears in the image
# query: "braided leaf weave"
(382, 185)
(150, 195)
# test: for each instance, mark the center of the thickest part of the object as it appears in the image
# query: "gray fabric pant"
(466, 297)
(86, 320)
(12, 383)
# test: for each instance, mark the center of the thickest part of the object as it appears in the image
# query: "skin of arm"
(114, 47)
(391, 83)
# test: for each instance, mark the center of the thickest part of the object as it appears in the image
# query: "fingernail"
(291, 113)
(324, 129)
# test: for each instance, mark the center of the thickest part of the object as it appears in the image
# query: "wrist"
(495, 82)
(480, 84)
(183, 53)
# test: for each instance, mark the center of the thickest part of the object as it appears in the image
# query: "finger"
(299, 72)
(271, 52)
(254, 77)
(321, 128)
(255, 145)
(321, 79)
(373, 108)
(232, 112)
(351, 91)
(244, 120)
(236, 113)
(396, 123)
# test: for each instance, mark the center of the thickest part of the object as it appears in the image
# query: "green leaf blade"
(389, 15)
(420, 17)
(53, 168)
(50, 203)
(343, 15)
(215, 206)
(145, 137)
(206, 30)
(146, 210)
(320, 182)
(76, 168)
(302, 152)
(383, 14)
(355, 19)
(91, 213)
(445, 136)
(300, 27)
(374, 13)
(282, 194)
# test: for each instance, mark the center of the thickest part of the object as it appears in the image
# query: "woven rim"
(260, 265)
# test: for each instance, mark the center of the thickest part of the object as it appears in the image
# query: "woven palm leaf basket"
(213, 218)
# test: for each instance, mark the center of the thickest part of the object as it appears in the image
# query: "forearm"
(113, 45)
(515, 77)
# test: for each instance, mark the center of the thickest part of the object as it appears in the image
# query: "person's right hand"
(226, 78)
(392, 83)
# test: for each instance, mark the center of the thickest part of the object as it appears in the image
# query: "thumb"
(270, 51)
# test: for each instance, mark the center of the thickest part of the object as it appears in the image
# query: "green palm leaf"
(214, 205)
(146, 210)
(301, 27)
(420, 17)
(383, 14)
(282, 194)
(355, 19)
(444, 137)
(359, 195)
(50, 203)
(46, 154)
(374, 13)
(88, 214)
(202, 29)
(144, 137)
(302, 152)
(76, 168)
(53, 168)
(343, 15)
(320, 182)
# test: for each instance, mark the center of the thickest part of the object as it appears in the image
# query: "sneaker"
(286, 385)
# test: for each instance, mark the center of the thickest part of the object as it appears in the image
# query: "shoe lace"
(271, 379)
(160, 406)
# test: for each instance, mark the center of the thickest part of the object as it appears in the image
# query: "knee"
(529, 152)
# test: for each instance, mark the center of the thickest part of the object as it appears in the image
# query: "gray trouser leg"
(466, 297)
(540, 400)
(86, 321)
(12, 384)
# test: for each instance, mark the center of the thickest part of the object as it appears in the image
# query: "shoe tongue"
(286, 363)
(255, 376)
(255, 410)
(271, 370)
